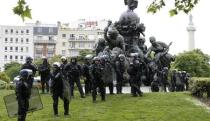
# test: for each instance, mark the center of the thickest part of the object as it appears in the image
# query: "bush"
(200, 86)
(2, 84)
(4, 77)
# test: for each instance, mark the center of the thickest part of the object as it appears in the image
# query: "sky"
(161, 25)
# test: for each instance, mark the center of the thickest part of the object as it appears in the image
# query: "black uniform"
(164, 78)
(97, 82)
(86, 74)
(120, 69)
(32, 67)
(135, 81)
(108, 79)
(44, 71)
(74, 70)
(57, 91)
(23, 90)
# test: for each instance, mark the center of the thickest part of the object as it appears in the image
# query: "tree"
(194, 62)
(12, 69)
(24, 11)
(83, 53)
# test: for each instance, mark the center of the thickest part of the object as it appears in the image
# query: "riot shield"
(11, 104)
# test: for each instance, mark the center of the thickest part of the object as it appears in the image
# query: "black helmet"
(25, 73)
(29, 59)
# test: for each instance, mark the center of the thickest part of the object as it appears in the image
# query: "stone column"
(191, 30)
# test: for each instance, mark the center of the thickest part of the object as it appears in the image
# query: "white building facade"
(45, 36)
(72, 40)
(16, 44)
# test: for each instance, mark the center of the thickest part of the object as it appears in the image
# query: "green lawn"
(150, 107)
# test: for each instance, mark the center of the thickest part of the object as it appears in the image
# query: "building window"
(27, 31)
(72, 44)
(63, 35)
(21, 49)
(27, 49)
(5, 49)
(63, 52)
(16, 31)
(11, 31)
(16, 40)
(16, 49)
(39, 30)
(10, 57)
(5, 57)
(72, 37)
(21, 40)
(11, 40)
(22, 32)
(81, 37)
(50, 38)
(21, 57)
(51, 30)
(27, 40)
(11, 49)
(16, 57)
(64, 44)
(81, 45)
(6, 40)
(6, 31)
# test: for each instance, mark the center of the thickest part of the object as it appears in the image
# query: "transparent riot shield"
(11, 104)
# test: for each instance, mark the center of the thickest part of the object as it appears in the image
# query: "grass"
(150, 107)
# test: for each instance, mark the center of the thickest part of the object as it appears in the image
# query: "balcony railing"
(45, 41)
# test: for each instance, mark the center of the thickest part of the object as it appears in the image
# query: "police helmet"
(56, 64)
(29, 58)
(96, 59)
(89, 56)
(63, 58)
(25, 73)
(134, 54)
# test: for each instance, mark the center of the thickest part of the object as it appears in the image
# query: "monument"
(191, 31)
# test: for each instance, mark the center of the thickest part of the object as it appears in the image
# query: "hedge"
(200, 87)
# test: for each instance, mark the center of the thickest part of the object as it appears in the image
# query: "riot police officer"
(97, 82)
(134, 72)
(57, 89)
(108, 73)
(23, 90)
(86, 74)
(120, 69)
(29, 65)
(44, 71)
(74, 71)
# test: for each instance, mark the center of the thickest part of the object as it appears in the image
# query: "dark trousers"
(87, 85)
(135, 87)
(111, 87)
(45, 82)
(55, 104)
(79, 86)
(98, 84)
(23, 105)
(164, 84)
(119, 84)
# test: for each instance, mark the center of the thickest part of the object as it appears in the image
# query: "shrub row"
(200, 87)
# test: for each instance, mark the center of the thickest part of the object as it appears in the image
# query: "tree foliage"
(179, 6)
(12, 69)
(22, 9)
(194, 62)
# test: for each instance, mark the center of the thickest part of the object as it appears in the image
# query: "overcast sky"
(160, 25)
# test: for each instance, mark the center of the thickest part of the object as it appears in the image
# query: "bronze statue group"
(121, 56)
